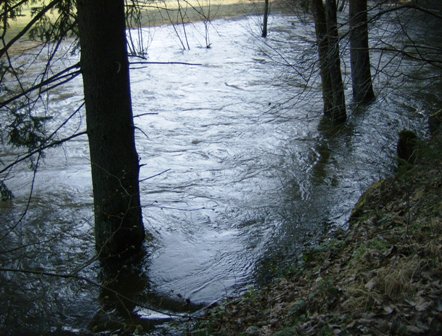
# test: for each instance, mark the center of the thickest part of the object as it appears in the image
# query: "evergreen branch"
(28, 202)
(38, 150)
(28, 27)
(11, 8)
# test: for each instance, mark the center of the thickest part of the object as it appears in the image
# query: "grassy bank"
(178, 12)
(150, 14)
(156, 13)
(382, 277)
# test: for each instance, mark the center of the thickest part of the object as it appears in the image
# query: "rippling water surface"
(236, 172)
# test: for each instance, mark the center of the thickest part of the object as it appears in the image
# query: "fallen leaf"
(371, 284)
(421, 306)
(417, 329)
(388, 310)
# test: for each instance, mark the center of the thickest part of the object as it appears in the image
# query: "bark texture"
(338, 112)
(359, 53)
(322, 41)
(119, 229)
(329, 59)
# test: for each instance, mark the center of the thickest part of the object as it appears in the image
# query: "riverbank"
(146, 15)
(181, 12)
(155, 13)
(381, 277)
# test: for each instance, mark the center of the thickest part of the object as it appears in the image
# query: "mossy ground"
(381, 277)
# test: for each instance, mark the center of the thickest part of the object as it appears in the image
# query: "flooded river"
(238, 173)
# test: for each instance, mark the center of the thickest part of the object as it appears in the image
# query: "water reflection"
(122, 283)
(127, 303)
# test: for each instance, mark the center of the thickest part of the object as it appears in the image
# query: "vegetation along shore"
(381, 277)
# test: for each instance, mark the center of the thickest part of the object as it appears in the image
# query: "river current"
(238, 171)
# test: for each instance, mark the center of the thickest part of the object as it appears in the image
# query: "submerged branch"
(155, 175)
(165, 63)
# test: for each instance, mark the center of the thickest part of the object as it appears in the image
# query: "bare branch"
(402, 7)
(63, 75)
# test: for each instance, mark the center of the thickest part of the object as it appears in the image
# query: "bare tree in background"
(265, 18)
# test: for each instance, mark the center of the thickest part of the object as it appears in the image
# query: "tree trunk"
(359, 54)
(341, 5)
(329, 62)
(322, 40)
(119, 229)
(338, 113)
(266, 16)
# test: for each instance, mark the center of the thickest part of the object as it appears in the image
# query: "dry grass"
(397, 280)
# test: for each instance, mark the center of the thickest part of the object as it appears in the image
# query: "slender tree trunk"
(359, 53)
(341, 5)
(338, 113)
(119, 229)
(265, 20)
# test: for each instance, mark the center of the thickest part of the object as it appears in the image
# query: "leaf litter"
(382, 276)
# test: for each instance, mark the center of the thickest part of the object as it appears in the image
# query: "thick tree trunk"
(322, 40)
(119, 229)
(338, 112)
(329, 61)
(359, 53)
